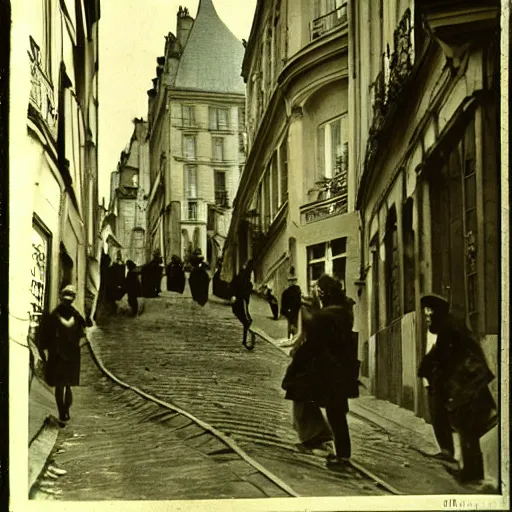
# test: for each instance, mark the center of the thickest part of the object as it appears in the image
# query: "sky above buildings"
(131, 38)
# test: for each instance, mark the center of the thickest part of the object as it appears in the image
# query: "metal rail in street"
(228, 441)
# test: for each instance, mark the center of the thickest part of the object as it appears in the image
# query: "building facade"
(129, 196)
(425, 122)
(296, 200)
(196, 137)
(53, 136)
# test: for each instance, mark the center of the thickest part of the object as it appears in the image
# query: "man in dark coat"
(324, 369)
(175, 275)
(241, 289)
(116, 285)
(199, 279)
(291, 303)
(273, 303)
(62, 334)
(458, 378)
(133, 288)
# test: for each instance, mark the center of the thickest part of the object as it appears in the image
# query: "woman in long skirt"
(63, 333)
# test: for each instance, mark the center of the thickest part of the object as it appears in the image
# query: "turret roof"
(212, 58)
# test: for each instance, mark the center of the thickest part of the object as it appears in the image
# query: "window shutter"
(321, 152)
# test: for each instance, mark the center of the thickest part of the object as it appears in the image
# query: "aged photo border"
(18, 382)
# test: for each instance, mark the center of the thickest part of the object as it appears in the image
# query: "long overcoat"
(199, 282)
(61, 332)
(457, 370)
(175, 277)
(324, 369)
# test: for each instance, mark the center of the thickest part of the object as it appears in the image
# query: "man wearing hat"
(62, 335)
(458, 377)
(291, 301)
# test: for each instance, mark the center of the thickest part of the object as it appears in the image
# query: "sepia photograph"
(258, 254)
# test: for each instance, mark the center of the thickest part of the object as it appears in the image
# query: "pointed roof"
(212, 58)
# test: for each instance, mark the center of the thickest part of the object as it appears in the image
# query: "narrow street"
(121, 446)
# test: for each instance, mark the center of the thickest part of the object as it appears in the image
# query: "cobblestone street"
(192, 357)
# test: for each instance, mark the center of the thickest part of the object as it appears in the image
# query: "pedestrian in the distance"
(116, 283)
(175, 275)
(241, 289)
(133, 288)
(291, 303)
(458, 377)
(220, 288)
(272, 300)
(324, 372)
(199, 279)
(62, 335)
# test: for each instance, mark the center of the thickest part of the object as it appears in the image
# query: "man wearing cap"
(62, 335)
(458, 378)
(291, 301)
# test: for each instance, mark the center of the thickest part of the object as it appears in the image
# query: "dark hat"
(435, 302)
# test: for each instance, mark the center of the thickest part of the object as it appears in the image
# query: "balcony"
(332, 199)
(386, 94)
(41, 97)
(328, 22)
(222, 198)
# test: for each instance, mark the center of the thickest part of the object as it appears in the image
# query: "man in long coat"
(458, 377)
(291, 300)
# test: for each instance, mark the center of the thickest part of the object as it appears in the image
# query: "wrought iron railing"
(328, 21)
(386, 93)
(319, 210)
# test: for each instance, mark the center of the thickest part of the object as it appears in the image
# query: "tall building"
(196, 136)
(53, 137)
(129, 196)
(426, 143)
(296, 200)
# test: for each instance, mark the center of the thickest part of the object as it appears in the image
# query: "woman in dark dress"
(175, 275)
(63, 333)
(199, 278)
(324, 369)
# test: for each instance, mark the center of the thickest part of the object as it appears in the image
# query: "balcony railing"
(319, 210)
(222, 198)
(327, 22)
(388, 91)
(41, 91)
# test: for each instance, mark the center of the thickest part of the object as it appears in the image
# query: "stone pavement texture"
(120, 446)
(193, 357)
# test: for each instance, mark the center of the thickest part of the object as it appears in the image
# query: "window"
(332, 147)
(275, 183)
(188, 115)
(219, 118)
(375, 312)
(191, 181)
(392, 268)
(189, 147)
(283, 168)
(221, 194)
(327, 257)
(267, 211)
(408, 256)
(218, 149)
(327, 15)
(192, 210)
(241, 118)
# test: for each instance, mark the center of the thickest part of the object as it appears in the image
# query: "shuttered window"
(191, 181)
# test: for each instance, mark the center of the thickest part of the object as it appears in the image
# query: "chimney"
(183, 26)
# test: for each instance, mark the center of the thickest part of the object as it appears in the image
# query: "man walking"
(133, 287)
(458, 379)
(241, 289)
(291, 300)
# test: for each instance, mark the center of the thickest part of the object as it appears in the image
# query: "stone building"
(53, 137)
(196, 136)
(425, 136)
(296, 200)
(129, 194)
